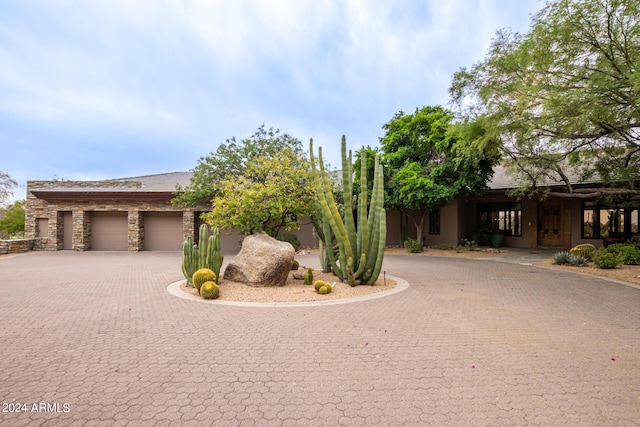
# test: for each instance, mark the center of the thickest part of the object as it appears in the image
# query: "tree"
(272, 193)
(564, 97)
(231, 160)
(12, 219)
(6, 184)
(431, 161)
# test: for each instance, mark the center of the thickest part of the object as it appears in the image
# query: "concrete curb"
(174, 289)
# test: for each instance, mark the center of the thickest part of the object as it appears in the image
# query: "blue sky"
(112, 89)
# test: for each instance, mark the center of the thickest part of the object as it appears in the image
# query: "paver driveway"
(97, 337)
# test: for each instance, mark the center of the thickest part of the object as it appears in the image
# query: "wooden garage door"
(163, 231)
(109, 231)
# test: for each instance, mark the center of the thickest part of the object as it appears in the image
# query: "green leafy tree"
(565, 96)
(6, 185)
(271, 194)
(12, 219)
(231, 159)
(430, 161)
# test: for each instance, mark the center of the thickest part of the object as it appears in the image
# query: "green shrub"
(209, 290)
(412, 245)
(288, 236)
(628, 253)
(295, 265)
(585, 250)
(561, 258)
(578, 261)
(602, 258)
(201, 276)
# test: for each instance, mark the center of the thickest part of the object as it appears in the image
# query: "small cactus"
(295, 265)
(585, 250)
(321, 284)
(201, 276)
(209, 290)
(308, 276)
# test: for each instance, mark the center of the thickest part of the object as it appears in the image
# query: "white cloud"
(197, 72)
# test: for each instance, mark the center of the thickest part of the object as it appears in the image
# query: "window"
(500, 217)
(599, 222)
(434, 222)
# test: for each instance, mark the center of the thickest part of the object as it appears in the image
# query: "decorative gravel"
(294, 290)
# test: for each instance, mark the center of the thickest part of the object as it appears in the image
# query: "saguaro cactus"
(206, 254)
(361, 248)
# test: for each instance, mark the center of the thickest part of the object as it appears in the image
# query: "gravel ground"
(294, 290)
(625, 273)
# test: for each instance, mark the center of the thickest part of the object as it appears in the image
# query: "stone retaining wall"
(21, 245)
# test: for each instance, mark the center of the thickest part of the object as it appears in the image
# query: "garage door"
(109, 231)
(163, 231)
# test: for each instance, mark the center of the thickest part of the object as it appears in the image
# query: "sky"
(113, 89)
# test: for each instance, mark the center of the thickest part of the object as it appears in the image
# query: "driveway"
(95, 339)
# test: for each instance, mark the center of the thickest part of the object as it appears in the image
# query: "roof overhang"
(106, 194)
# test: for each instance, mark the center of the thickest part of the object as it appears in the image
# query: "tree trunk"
(419, 224)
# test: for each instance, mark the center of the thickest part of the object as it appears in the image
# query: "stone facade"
(17, 246)
(54, 207)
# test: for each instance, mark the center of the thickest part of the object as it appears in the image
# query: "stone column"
(56, 231)
(135, 231)
(188, 224)
(81, 230)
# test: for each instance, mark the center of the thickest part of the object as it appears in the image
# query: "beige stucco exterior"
(60, 215)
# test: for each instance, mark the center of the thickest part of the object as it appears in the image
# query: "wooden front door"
(550, 224)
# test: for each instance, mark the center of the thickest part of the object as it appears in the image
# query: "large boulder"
(262, 261)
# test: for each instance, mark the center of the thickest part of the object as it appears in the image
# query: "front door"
(550, 224)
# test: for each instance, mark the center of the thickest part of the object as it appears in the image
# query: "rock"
(262, 261)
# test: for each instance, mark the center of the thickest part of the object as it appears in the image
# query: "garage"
(109, 231)
(163, 231)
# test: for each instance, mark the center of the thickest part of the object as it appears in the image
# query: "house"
(136, 214)
(560, 219)
(131, 214)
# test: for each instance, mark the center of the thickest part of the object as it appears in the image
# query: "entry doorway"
(550, 223)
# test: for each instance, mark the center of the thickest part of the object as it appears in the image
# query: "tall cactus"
(205, 255)
(361, 247)
(215, 258)
(189, 258)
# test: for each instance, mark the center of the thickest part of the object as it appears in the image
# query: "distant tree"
(231, 159)
(271, 194)
(430, 161)
(12, 219)
(564, 97)
(6, 185)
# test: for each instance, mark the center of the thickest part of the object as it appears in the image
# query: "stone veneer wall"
(21, 245)
(36, 208)
(53, 211)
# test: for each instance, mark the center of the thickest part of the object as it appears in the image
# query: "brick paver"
(469, 343)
